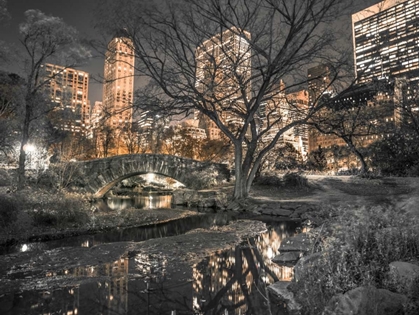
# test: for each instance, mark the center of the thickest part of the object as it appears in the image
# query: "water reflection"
(234, 281)
(135, 234)
(107, 295)
(151, 201)
(228, 282)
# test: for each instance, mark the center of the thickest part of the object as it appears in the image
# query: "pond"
(232, 281)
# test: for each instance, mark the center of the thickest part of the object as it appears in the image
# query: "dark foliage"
(396, 155)
(8, 211)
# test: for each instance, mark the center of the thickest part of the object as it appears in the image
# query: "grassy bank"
(356, 246)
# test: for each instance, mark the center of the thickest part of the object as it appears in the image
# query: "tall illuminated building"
(221, 60)
(119, 82)
(386, 40)
(69, 91)
(319, 82)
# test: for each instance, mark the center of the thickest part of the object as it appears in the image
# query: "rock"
(277, 212)
(295, 215)
(287, 257)
(234, 206)
(303, 242)
(302, 265)
(313, 221)
(366, 301)
(304, 208)
(280, 290)
(403, 272)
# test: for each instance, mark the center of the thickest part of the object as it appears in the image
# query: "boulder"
(276, 211)
(281, 291)
(305, 262)
(287, 258)
(366, 301)
(403, 272)
(303, 242)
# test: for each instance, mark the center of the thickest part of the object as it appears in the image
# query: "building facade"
(119, 83)
(69, 93)
(319, 82)
(386, 41)
(221, 61)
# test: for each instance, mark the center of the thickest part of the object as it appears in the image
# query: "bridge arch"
(100, 175)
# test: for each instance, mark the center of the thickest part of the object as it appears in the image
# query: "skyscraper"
(386, 40)
(69, 91)
(319, 82)
(221, 60)
(119, 82)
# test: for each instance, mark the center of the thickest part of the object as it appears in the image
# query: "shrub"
(269, 181)
(67, 211)
(397, 155)
(357, 252)
(6, 178)
(295, 179)
(8, 211)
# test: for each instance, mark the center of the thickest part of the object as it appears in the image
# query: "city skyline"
(230, 48)
(83, 20)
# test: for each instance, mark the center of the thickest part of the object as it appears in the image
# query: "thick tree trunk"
(240, 178)
(360, 157)
(364, 167)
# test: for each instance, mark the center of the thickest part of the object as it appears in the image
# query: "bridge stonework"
(100, 175)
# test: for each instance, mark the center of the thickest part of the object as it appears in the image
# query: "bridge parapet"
(100, 175)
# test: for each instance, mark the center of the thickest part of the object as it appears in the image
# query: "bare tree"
(44, 39)
(225, 59)
(10, 99)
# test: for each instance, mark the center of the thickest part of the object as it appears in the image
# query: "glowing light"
(29, 148)
(24, 248)
(150, 177)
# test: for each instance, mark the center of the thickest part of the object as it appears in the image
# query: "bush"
(295, 179)
(357, 251)
(59, 212)
(6, 178)
(269, 181)
(397, 155)
(8, 211)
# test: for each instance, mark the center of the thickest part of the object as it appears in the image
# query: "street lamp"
(29, 149)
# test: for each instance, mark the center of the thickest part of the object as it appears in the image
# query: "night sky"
(79, 14)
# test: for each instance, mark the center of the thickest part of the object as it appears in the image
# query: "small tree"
(10, 99)
(44, 39)
(354, 117)
(316, 160)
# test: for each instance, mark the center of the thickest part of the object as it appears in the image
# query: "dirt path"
(402, 193)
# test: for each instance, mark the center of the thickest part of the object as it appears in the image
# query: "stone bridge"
(100, 175)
